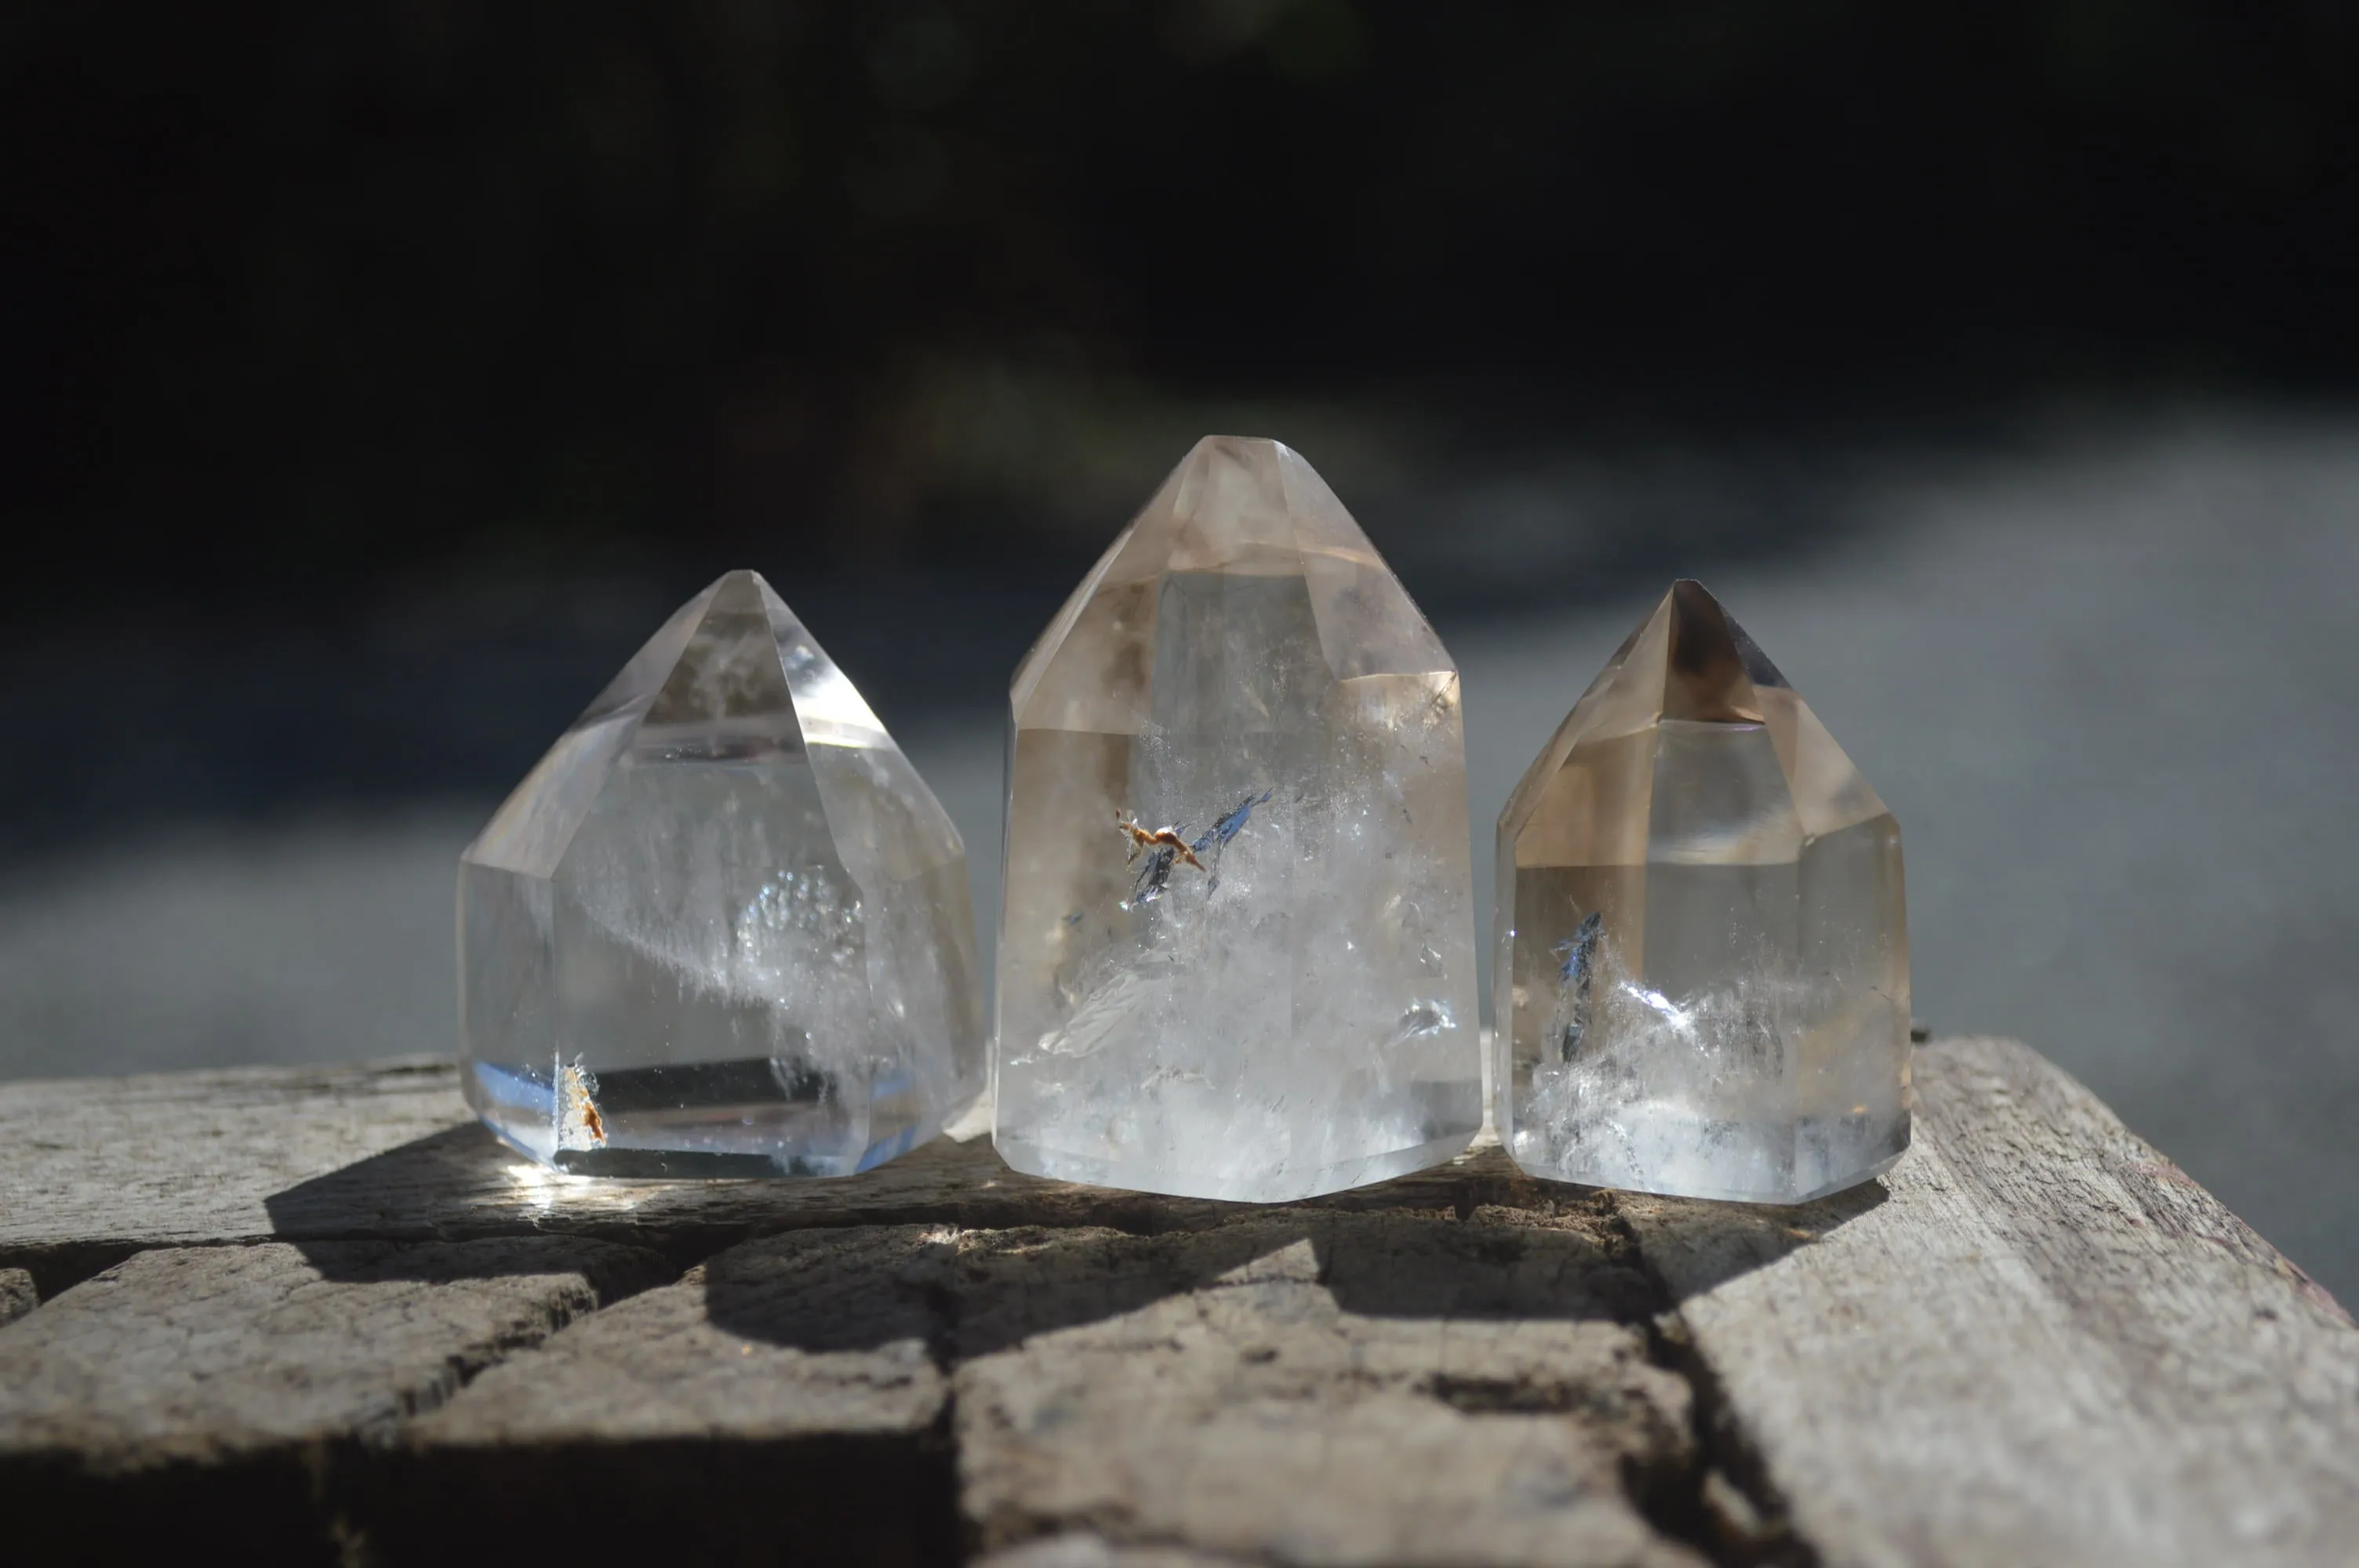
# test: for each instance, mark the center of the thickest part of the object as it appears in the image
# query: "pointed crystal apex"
(1225, 508)
(1703, 952)
(726, 694)
(1707, 675)
(723, 927)
(1235, 508)
(1236, 951)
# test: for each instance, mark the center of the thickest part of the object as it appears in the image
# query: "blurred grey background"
(378, 380)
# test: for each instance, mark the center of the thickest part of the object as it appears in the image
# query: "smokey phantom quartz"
(1236, 953)
(1702, 982)
(723, 928)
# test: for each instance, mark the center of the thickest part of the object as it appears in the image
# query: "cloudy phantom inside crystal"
(1236, 952)
(1701, 983)
(723, 928)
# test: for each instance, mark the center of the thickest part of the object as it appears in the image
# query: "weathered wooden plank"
(214, 1384)
(91, 1169)
(781, 1395)
(798, 1335)
(190, 1353)
(1310, 1384)
(2038, 1342)
(1317, 1388)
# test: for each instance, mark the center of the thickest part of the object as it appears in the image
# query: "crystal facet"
(1702, 982)
(1236, 945)
(723, 928)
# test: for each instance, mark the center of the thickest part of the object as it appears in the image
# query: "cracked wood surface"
(322, 1311)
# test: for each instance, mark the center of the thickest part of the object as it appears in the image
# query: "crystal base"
(703, 1119)
(1662, 1146)
(1253, 1184)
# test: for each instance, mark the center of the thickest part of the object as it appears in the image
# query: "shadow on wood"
(1723, 1242)
(888, 1500)
(461, 1182)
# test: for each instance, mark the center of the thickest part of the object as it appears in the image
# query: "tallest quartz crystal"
(1236, 954)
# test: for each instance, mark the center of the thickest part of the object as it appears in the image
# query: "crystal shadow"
(462, 1184)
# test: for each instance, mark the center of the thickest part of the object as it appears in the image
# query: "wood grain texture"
(1363, 1387)
(94, 1169)
(793, 1336)
(204, 1353)
(2038, 1342)
(214, 1393)
(783, 1400)
(2035, 1341)
(1317, 1388)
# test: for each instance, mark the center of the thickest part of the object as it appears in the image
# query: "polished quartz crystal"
(1701, 983)
(1236, 953)
(723, 928)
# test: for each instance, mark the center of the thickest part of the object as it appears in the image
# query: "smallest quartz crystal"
(1702, 975)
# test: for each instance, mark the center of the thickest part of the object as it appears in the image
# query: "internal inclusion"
(835, 1091)
(1617, 1097)
(1209, 952)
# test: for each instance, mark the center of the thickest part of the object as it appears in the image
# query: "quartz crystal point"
(1236, 945)
(1701, 983)
(723, 928)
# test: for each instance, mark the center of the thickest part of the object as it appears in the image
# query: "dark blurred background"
(374, 377)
